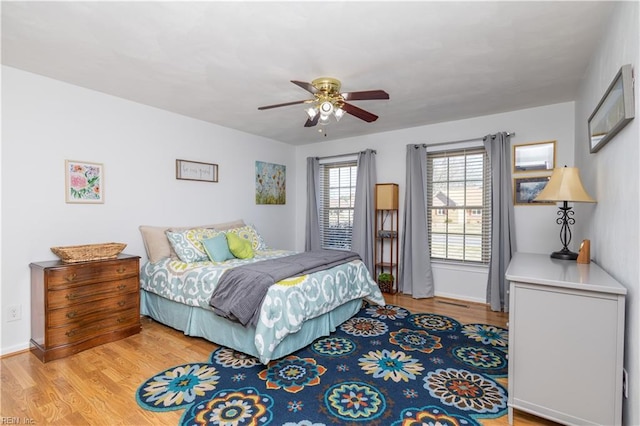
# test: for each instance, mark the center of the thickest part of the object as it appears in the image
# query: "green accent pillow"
(250, 233)
(217, 248)
(240, 247)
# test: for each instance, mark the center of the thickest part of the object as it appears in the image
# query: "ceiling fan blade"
(365, 95)
(306, 86)
(285, 104)
(359, 112)
(312, 121)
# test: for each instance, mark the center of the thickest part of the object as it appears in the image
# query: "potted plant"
(385, 281)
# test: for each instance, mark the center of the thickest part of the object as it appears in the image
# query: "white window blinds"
(337, 198)
(459, 203)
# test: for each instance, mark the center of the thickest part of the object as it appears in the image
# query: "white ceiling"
(219, 61)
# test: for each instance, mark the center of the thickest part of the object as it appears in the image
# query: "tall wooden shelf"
(387, 242)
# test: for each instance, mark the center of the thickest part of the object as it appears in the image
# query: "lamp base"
(564, 254)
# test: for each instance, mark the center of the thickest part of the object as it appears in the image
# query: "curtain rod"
(461, 141)
(343, 155)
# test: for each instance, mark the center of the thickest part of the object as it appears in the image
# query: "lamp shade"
(386, 196)
(565, 185)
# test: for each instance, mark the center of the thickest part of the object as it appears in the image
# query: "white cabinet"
(566, 341)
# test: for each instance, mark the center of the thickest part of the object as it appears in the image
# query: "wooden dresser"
(76, 306)
(566, 341)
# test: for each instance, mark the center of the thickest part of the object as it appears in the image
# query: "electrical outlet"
(14, 313)
(625, 383)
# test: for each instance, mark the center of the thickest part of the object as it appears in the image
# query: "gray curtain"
(503, 240)
(363, 234)
(416, 277)
(312, 231)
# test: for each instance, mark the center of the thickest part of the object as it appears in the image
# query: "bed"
(295, 311)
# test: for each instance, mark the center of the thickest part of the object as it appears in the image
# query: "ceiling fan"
(328, 101)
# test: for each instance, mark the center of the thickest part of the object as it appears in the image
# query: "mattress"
(287, 307)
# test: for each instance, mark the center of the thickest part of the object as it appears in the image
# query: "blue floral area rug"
(385, 366)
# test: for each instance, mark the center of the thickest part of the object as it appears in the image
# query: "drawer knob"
(72, 332)
(72, 314)
(71, 277)
(122, 286)
(121, 320)
(72, 296)
(122, 303)
(121, 270)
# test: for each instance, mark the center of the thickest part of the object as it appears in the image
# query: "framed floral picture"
(84, 182)
(271, 182)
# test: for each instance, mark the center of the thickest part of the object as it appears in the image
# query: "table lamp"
(565, 186)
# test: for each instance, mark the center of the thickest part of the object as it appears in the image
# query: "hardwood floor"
(97, 386)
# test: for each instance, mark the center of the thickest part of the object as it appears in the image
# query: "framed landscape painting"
(534, 157)
(614, 111)
(525, 190)
(84, 182)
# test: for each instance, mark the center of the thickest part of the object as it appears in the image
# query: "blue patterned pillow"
(217, 248)
(250, 233)
(188, 244)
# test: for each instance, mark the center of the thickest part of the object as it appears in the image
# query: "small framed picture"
(525, 190)
(195, 170)
(534, 157)
(84, 182)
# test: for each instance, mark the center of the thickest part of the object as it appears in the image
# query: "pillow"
(188, 244)
(158, 246)
(249, 233)
(240, 247)
(155, 242)
(217, 248)
(228, 225)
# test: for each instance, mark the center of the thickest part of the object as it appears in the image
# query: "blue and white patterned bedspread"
(287, 304)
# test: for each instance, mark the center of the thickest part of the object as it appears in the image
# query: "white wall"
(613, 179)
(536, 230)
(46, 121)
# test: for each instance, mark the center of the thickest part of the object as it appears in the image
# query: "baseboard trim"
(459, 297)
(15, 350)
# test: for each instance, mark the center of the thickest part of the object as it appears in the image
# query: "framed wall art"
(84, 182)
(534, 156)
(271, 180)
(195, 170)
(526, 189)
(614, 111)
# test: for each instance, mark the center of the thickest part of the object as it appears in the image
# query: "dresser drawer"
(91, 292)
(77, 331)
(84, 273)
(92, 310)
(76, 306)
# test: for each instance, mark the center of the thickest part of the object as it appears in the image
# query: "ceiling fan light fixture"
(326, 108)
(328, 100)
(324, 118)
(312, 112)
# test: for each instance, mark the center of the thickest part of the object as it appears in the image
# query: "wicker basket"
(87, 252)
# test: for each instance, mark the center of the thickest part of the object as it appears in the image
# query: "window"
(459, 203)
(337, 201)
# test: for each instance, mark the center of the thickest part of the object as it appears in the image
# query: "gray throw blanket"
(241, 290)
